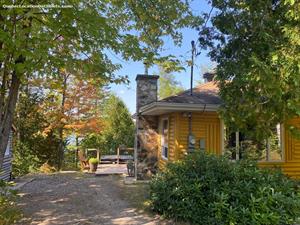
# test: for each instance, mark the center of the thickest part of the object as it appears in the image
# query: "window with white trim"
(164, 138)
(239, 146)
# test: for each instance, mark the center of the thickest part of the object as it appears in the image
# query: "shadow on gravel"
(76, 198)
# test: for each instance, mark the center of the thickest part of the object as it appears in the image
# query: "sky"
(130, 68)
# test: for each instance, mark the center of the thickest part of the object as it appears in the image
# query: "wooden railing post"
(98, 155)
(118, 155)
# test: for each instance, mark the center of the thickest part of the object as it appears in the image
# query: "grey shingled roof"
(206, 93)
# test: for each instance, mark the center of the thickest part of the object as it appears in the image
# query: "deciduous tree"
(256, 45)
(37, 41)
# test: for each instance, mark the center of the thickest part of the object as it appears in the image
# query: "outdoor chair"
(84, 163)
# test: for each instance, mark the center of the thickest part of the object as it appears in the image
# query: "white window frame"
(164, 144)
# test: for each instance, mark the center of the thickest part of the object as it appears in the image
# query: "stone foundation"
(147, 147)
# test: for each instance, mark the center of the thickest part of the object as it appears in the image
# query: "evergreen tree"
(118, 128)
(168, 85)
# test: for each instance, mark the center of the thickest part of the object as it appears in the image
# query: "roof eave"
(158, 108)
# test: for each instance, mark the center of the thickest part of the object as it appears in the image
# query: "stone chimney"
(208, 77)
(146, 90)
(146, 133)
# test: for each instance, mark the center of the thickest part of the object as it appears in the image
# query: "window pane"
(166, 152)
(164, 138)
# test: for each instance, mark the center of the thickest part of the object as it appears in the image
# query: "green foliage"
(9, 214)
(49, 42)
(133, 29)
(167, 84)
(24, 161)
(93, 161)
(118, 128)
(207, 189)
(93, 140)
(70, 163)
(32, 147)
(256, 46)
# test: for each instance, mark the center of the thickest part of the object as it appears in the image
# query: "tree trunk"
(6, 122)
(61, 129)
(77, 150)
(7, 109)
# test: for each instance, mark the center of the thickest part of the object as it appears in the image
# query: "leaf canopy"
(256, 46)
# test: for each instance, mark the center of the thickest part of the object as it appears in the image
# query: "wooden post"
(118, 155)
(98, 155)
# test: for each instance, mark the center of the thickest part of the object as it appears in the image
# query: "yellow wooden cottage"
(189, 121)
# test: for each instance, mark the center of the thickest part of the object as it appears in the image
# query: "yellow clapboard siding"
(204, 125)
(207, 125)
(292, 169)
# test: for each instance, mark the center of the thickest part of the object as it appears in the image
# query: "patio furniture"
(84, 163)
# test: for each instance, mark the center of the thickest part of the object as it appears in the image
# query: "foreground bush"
(9, 213)
(24, 161)
(207, 189)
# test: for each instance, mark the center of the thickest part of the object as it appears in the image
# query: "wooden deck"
(111, 169)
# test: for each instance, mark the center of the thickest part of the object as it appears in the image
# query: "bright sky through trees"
(127, 92)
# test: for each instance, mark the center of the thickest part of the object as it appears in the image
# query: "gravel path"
(77, 198)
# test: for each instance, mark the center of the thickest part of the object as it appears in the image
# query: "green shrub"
(207, 189)
(69, 159)
(93, 160)
(24, 161)
(9, 214)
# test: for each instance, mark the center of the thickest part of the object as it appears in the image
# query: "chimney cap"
(146, 77)
(209, 76)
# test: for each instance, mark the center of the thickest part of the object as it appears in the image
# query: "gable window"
(164, 138)
(240, 146)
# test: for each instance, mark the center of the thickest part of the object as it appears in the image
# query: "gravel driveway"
(76, 198)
